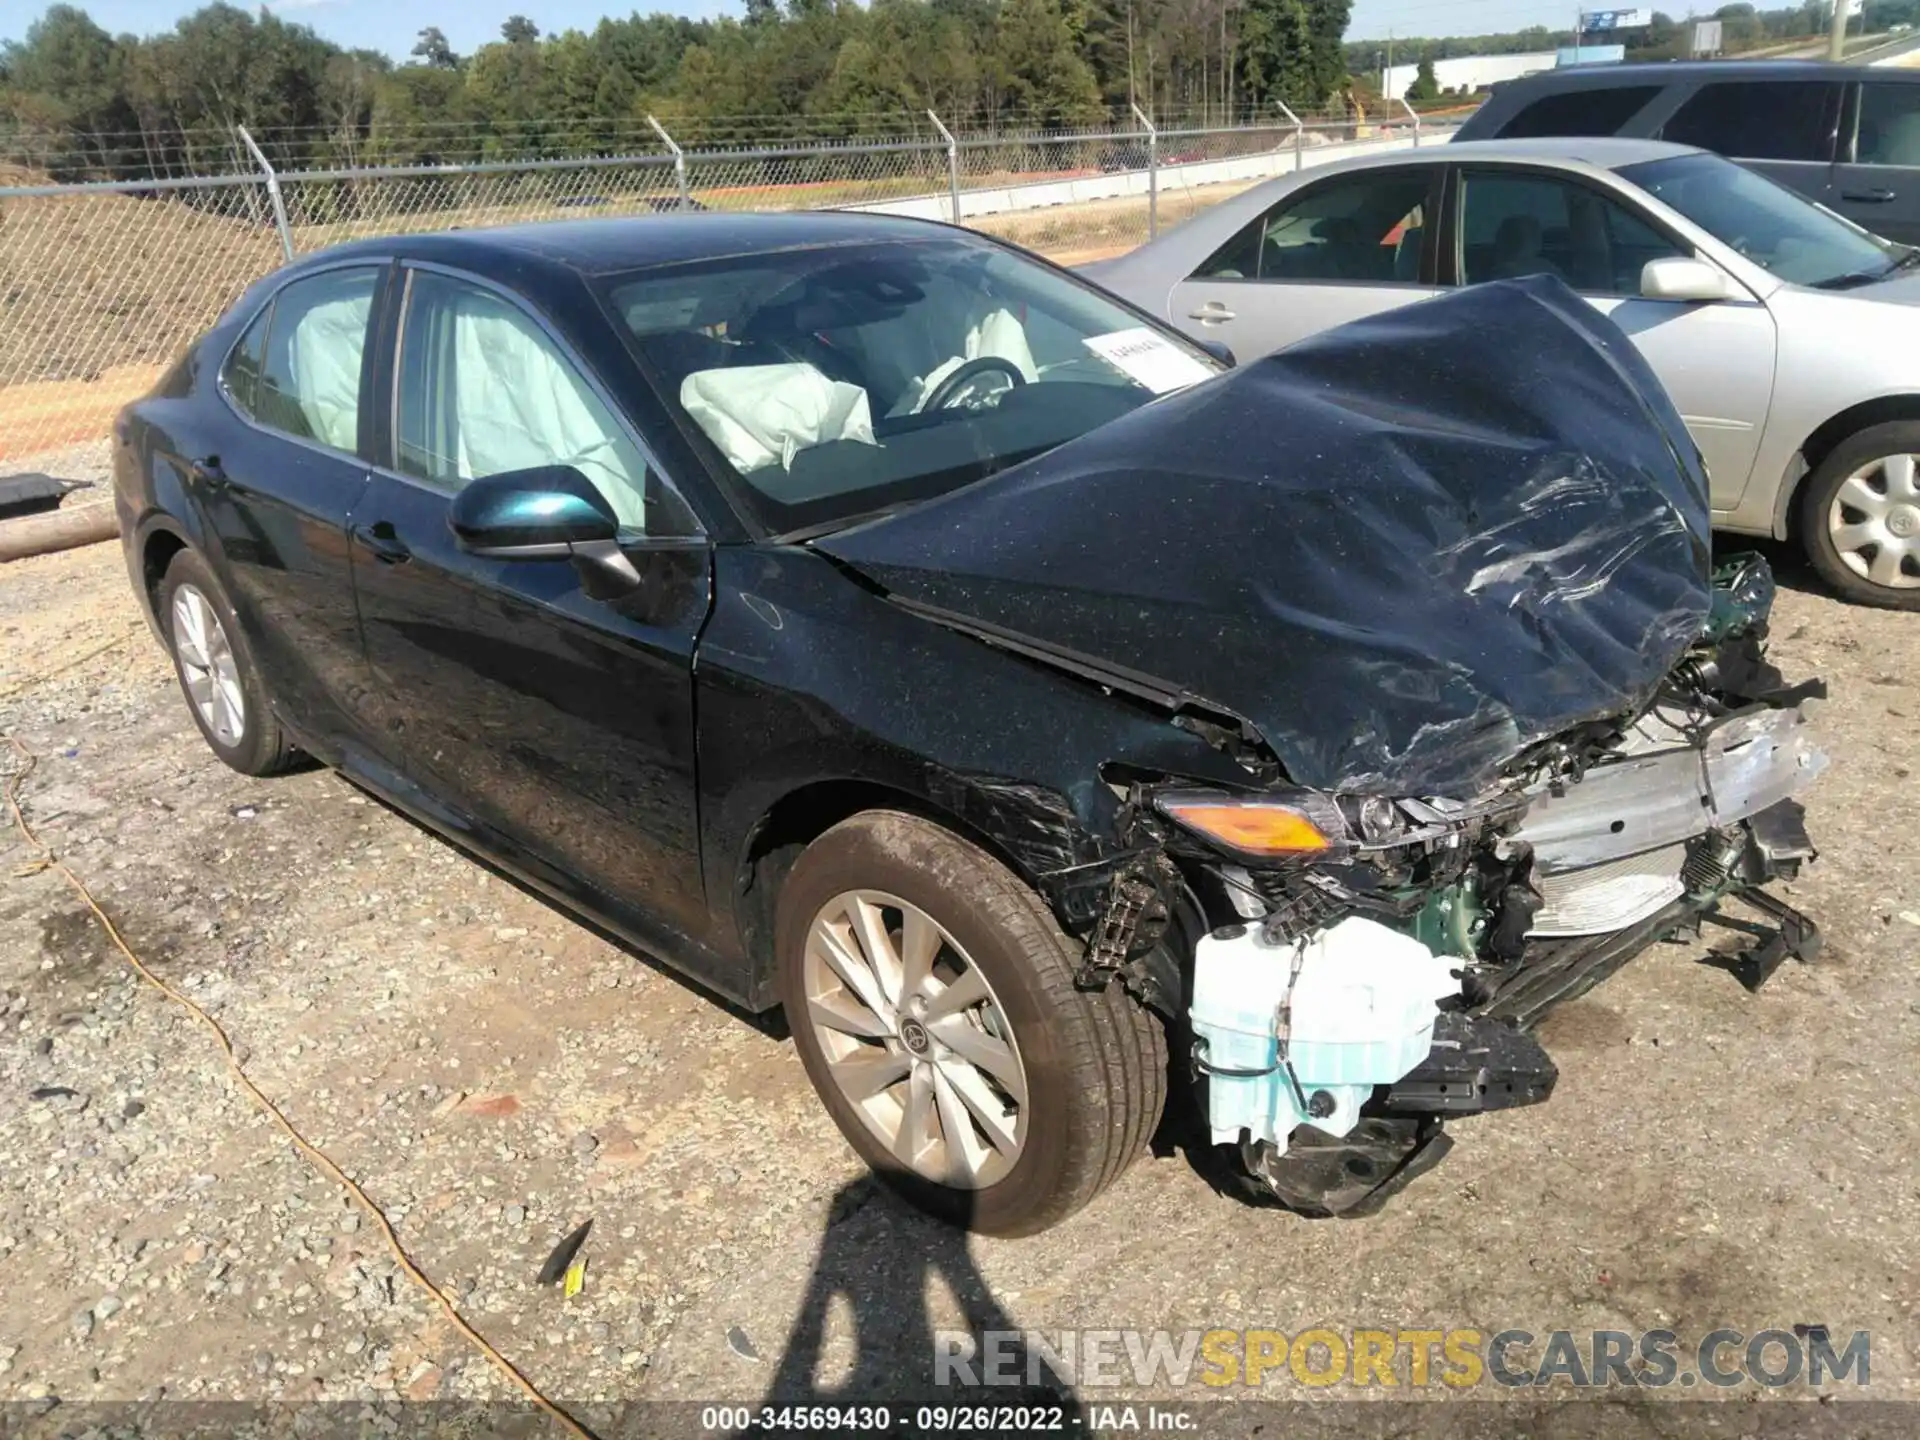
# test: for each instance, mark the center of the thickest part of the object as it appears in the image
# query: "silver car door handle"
(1210, 313)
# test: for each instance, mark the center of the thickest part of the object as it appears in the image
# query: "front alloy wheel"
(915, 1039)
(932, 998)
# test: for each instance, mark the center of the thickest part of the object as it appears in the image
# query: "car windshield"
(1770, 225)
(840, 381)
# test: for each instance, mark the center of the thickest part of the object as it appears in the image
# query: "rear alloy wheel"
(217, 674)
(208, 669)
(931, 996)
(1860, 516)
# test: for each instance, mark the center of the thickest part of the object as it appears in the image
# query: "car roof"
(1667, 72)
(632, 242)
(1602, 152)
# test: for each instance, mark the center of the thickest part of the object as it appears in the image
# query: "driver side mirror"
(550, 512)
(1681, 277)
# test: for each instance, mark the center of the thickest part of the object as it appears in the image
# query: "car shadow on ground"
(867, 1331)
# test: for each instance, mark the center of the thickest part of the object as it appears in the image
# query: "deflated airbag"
(1403, 550)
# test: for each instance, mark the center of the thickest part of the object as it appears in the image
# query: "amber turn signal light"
(1256, 828)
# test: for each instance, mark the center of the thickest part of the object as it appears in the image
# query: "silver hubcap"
(1875, 522)
(915, 1039)
(207, 663)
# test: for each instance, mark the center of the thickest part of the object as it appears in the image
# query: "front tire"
(217, 675)
(931, 996)
(1860, 516)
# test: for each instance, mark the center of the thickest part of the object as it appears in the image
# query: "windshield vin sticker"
(1149, 359)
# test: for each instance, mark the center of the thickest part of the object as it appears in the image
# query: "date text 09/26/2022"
(919, 1419)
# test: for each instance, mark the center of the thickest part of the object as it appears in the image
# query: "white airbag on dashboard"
(761, 414)
(998, 334)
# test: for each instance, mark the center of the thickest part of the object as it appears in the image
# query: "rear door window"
(242, 374)
(308, 380)
(1367, 227)
(1760, 119)
(1586, 111)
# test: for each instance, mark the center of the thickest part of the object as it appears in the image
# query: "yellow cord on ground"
(319, 1159)
(66, 665)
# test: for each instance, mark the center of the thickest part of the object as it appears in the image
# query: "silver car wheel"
(1874, 522)
(207, 664)
(915, 1039)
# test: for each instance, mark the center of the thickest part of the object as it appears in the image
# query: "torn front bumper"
(1644, 848)
(1615, 849)
(1554, 971)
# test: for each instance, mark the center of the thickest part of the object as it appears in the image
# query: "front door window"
(1515, 224)
(484, 390)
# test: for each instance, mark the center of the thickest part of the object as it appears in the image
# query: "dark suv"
(1847, 136)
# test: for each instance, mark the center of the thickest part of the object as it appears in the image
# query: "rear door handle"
(1867, 197)
(1211, 313)
(383, 543)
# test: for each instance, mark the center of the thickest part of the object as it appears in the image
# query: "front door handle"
(1211, 313)
(1867, 197)
(383, 542)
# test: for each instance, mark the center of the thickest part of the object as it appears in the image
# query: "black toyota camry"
(1064, 727)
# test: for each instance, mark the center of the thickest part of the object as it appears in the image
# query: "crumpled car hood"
(1403, 550)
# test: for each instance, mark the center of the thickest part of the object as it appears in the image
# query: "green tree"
(1036, 68)
(867, 88)
(67, 82)
(1424, 86)
(349, 89)
(432, 50)
(506, 87)
(417, 110)
(1275, 45)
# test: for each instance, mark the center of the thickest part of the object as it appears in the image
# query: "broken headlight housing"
(1303, 825)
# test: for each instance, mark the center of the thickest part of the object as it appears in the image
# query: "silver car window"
(1515, 223)
(1366, 227)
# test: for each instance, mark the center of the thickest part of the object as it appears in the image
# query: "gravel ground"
(494, 1075)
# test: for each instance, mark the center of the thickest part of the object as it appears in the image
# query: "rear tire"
(1092, 1064)
(1860, 516)
(216, 670)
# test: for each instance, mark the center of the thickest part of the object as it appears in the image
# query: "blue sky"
(390, 25)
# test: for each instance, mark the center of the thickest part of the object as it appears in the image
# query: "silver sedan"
(1788, 337)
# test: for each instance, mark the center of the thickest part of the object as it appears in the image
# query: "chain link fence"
(101, 284)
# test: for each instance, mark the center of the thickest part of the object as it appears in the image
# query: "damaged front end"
(1491, 722)
(1372, 965)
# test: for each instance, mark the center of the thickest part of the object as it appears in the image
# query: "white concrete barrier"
(1081, 189)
